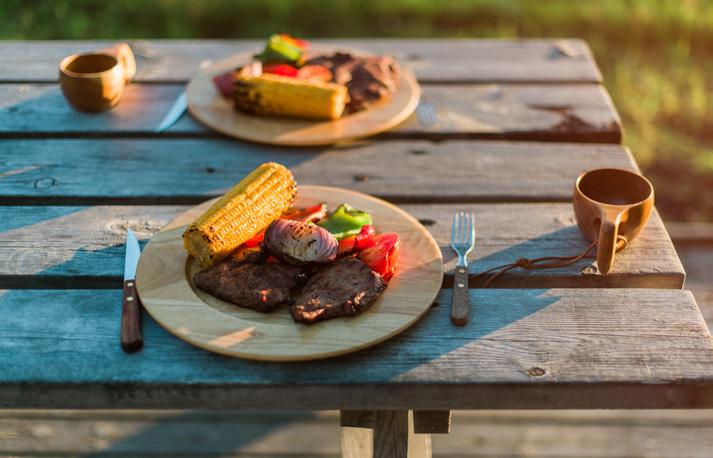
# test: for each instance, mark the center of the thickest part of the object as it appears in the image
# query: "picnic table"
(515, 122)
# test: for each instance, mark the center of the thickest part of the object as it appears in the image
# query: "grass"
(654, 54)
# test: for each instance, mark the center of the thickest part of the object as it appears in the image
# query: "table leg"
(393, 435)
(357, 442)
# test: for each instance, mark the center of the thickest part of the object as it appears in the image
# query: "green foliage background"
(655, 54)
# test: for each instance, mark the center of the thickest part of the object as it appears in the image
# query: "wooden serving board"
(165, 287)
(216, 112)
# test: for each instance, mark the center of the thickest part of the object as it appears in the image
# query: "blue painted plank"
(564, 347)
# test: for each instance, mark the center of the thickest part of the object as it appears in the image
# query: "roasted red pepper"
(313, 213)
(280, 69)
(355, 243)
(365, 238)
(383, 255)
(256, 240)
(346, 245)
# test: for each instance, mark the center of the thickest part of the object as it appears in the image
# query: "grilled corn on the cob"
(270, 94)
(246, 209)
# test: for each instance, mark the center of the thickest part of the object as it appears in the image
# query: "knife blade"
(179, 106)
(131, 339)
(174, 114)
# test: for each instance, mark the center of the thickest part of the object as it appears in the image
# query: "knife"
(174, 114)
(179, 106)
(131, 339)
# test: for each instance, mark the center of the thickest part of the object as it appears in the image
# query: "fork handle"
(461, 297)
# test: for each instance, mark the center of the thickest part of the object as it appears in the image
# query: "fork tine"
(472, 228)
(466, 229)
(453, 227)
(461, 228)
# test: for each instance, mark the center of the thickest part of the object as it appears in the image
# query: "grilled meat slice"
(345, 287)
(368, 78)
(259, 286)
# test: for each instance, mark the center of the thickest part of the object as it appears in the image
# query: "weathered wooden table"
(516, 122)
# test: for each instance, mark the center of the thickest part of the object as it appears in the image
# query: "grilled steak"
(368, 78)
(344, 288)
(255, 285)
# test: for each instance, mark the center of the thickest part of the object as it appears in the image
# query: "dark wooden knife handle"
(461, 297)
(131, 339)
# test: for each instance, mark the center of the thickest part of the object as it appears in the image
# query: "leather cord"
(547, 262)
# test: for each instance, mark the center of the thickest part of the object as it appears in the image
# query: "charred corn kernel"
(246, 209)
(270, 94)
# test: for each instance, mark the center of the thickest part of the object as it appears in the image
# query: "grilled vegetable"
(309, 214)
(345, 221)
(356, 243)
(224, 83)
(282, 49)
(269, 94)
(383, 255)
(299, 243)
(280, 69)
(315, 72)
(261, 197)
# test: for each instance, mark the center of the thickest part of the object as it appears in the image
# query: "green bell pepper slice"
(279, 50)
(345, 221)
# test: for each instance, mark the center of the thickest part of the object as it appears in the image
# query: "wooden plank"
(391, 434)
(75, 171)
(558, 348)
(356, 418)
(691, 232)
(573, 112)
(442, 60)
(594, 434)
(432, 421)
(698, 262)
(84, 246)
(650, 261)
(357, 442)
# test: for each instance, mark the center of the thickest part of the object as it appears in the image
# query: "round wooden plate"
(166, 290)
(216, 112)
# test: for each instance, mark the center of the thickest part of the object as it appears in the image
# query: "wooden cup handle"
(460, 304)
(131, 339)
(125, 57)
(606, 246)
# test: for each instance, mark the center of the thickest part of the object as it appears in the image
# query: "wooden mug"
(95, 81)
(611, 206)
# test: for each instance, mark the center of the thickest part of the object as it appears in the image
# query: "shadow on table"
(566, 241)
(200, 433)
(425, 349)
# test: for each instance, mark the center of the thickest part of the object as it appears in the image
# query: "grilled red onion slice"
(300, 243)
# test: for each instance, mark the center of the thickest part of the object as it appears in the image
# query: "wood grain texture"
(432, 421)
(211, 109)
(537, 60)
(231, 434)
(357, 442)
(549, 349)
(165, 171)
(391, 434)
(164, 281)
(83, 247)
(356, 418)
(566, 112)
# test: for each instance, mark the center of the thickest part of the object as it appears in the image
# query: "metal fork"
(462, 241)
